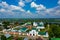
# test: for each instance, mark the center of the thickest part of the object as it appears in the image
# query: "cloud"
(12, 11)
(28, 1)
(28, 11)
(4, 3)
(59, 2)
(38, 7)
(2, 10)
(33, 4)
(54, 11)
(51, 12)
(21, 3)
(42, 10)
(16, 8)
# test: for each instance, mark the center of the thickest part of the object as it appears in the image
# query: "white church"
(36, 31)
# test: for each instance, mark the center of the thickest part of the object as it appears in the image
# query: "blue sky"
(30, 9)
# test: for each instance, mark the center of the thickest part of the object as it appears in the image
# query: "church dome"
(41, 24)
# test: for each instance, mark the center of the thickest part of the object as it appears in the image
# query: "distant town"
(28, 30)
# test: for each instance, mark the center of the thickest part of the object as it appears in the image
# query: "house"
(35, 24)
(34, 30)
(1, 23)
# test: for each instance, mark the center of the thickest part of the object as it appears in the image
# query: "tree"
(5, 24)
(3, 37)
(10, 38)
(54, 31)
(16, 23)
(1, 28)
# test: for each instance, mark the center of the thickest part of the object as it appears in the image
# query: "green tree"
(54, 31)
(10, 38)
(16, 23)
(5, 24)
(1, 28)
(3, 37)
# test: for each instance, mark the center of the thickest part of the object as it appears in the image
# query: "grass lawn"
(55, 38)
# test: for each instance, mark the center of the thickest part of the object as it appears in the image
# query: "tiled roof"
(41, 24)
(42, 33)
(23, 29)
(33, 28)
(28, 22)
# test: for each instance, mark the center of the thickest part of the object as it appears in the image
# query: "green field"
(55, 38)
(30, 19)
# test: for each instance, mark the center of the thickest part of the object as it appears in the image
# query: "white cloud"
(16, 8)
(21, 3)
(2, 10)
(38, 7)
(54, 11)
(33, 4)
(41, 11)
(8, 9)
(4, 3)
(28, 11)
(28, 1)
(59, 2)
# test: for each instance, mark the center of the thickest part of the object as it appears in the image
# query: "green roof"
(28, 30)
(23, 29)
(42, 33)
(33, 28)
(41, 24)
(28, 22)
(36, 29)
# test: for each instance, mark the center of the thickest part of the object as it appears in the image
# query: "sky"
(29, 8)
